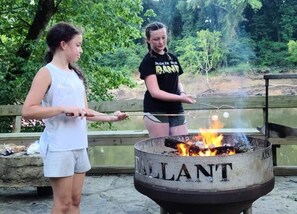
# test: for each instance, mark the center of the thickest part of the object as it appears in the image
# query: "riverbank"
(219, 85)
(115, 194)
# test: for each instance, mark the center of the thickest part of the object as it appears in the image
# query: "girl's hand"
(77, 112)
(89, 113)
(187, 98)
(120, 115)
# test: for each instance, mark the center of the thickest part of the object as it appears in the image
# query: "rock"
(20, 170)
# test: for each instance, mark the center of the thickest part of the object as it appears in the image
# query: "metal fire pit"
(225, 184)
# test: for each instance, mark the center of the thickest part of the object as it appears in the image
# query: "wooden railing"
(130, 137)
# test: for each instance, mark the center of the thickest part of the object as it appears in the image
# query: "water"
(124, 155)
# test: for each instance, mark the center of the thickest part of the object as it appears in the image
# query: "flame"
(182, 149)
(210, 136)
(232, 152)
(208, 141)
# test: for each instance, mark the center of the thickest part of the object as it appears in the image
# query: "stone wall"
(22, 170)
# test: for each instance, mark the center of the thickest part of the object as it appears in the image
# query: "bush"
(272, 53)
(292, 50)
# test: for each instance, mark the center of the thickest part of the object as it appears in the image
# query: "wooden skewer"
(134, 115)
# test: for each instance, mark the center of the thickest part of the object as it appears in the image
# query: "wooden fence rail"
(130, 137)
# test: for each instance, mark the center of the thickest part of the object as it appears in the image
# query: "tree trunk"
(46, 9)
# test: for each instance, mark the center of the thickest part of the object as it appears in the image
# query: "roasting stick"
(165, 115)
(132, 114)
(140, 114)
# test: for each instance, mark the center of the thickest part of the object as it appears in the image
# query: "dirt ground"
(252, 84)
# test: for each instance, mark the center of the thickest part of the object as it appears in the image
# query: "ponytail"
(48, 56)
(79, 73)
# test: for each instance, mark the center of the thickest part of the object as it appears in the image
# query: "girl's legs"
(67, 194)
(66, 171)
(62, 188)
(77, 186)
(156, 129)
(160, 126)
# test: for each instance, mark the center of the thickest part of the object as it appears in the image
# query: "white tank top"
(62, 132)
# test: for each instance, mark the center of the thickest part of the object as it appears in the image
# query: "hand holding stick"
(117, 116)
(85, 115)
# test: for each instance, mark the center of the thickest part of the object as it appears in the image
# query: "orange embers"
(207, 143)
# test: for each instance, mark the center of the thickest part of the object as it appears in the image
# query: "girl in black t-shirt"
(163, 111)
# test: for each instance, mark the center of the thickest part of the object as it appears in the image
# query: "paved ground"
(117, 195)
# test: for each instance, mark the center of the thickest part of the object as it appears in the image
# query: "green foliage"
(292, 49)
(13, 91)
(255, 4)
(15, 18)
(240, 51)
(120, 65)
(100, 77)
(123, 58)
(192, 18)
(288, 20)
(108, 24)
(271, 28)
(202, 53)
(252, 32)
(6, 124)
(211, 52)
(275, 21)
(272, 53)
(187, 49)
(227, 16)
(120, 27)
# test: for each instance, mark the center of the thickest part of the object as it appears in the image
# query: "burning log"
(172, 143)
(195, 148)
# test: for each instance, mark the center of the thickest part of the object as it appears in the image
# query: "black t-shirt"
(167, 69)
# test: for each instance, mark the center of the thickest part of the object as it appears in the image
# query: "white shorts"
(66, 163)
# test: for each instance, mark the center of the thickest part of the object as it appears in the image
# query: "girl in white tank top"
(60, 87)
